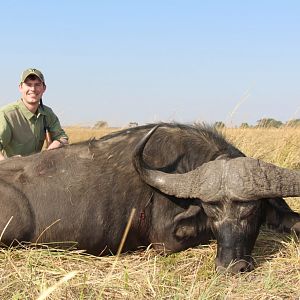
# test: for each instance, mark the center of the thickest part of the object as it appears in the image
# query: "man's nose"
(32, 88)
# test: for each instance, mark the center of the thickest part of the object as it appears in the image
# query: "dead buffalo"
(187, 184)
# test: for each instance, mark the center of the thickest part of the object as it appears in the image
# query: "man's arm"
(58, 135)
(58, 143)
(5, 134)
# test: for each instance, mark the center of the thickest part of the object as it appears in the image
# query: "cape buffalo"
(187, 184)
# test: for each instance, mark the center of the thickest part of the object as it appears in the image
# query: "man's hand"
(57, 144)
(1, 156)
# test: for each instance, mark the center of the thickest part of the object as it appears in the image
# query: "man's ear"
(20, 87)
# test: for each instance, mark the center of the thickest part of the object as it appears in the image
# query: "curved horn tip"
(139, 148)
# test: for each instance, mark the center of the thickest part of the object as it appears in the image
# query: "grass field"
(30, 273)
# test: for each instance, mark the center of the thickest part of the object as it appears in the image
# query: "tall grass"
(280, 146)
(45, 273)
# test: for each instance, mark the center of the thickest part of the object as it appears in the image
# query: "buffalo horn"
(240, 179)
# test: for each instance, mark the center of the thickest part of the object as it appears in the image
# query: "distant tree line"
(103, 124)
(264, 123)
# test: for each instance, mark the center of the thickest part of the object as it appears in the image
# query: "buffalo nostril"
(241, 266)
(236, 267)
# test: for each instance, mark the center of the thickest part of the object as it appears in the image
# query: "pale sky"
(147, 61)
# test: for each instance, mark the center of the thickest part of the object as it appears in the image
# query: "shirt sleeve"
(54, 126)
(5, 131)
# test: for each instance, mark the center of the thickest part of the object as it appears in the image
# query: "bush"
(100, 124)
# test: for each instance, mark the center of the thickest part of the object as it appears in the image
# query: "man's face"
(32, 91)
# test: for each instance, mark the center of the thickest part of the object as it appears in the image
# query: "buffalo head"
(232, 192)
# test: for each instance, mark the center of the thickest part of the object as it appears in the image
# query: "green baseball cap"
(32, 71)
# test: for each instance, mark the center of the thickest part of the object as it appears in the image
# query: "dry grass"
(279, 146)
(77, 134)
(33, 273)
(28, 273)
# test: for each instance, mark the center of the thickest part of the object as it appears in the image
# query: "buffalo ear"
(280, 217)
(191, 212)
(185, 225)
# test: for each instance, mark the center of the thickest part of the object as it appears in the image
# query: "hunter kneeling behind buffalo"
(187, 184)
(25, 123)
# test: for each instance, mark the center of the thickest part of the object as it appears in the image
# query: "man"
(23, 124)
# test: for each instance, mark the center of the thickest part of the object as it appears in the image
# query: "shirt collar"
(27, 113)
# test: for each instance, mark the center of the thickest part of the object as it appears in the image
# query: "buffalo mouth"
(234, 259)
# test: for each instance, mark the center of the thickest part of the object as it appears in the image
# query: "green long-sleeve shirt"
(23, 132)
